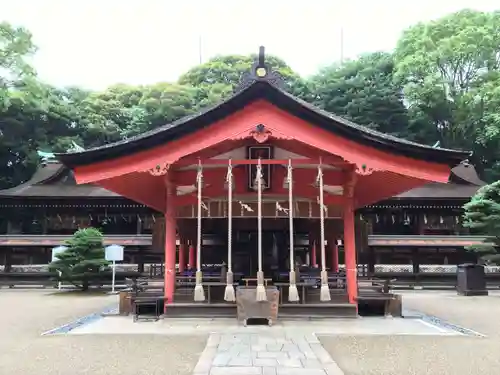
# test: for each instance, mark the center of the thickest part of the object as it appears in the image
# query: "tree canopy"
(449, 68)
(83, 259)
(482, 216)
(363, 91)
(441, 83)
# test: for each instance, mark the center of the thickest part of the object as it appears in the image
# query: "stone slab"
(239, 354)
(236, 371)
(299, 371)
(287, 348)
(297, 333)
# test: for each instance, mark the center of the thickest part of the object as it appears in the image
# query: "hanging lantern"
(406, 219)
(425, 219)
(441, 220)
(377, 219)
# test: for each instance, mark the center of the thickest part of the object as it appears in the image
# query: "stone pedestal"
(471, 280)
(249, 308)
(125, 303)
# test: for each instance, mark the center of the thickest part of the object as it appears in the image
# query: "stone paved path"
(265, 354)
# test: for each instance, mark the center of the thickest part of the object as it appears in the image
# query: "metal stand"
(113, 277)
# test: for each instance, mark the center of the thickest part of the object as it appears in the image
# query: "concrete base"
(291, 310)
(318, 310)
(200, 310)
(469, 293)
(175, 326)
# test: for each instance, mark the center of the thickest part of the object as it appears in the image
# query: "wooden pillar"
(314, 260)
(350, 251)
(416, 265)
(372, 260)
(8, 260)
(170, 243)
(192, 257)
(335, 255)
(139, 258)
(182, 256)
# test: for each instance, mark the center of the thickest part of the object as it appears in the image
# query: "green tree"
(482, 216)
(123, 111)
(220, 75)
(16, 46)
(445, 67)
(33, 115)
(38, 117)
(83, 260)
(165, 102)
(363, 91)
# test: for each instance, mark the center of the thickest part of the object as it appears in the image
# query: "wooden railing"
(47, 240)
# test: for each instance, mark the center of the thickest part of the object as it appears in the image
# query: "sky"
(94, 44)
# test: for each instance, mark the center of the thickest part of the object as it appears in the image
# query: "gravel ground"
(477, 313)
(408, 355)
(26, 314)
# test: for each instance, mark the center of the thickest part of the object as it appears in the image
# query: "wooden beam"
(217, 176)
(302, 161)
(280, 194)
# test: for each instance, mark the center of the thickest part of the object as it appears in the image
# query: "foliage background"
(441, 83)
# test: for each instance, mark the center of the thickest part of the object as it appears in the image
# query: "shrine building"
(260, 167)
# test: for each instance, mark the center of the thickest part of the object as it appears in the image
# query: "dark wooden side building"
(421, 226)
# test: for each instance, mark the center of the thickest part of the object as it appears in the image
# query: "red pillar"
(182, 256)
(335, 255)
(350, 251)
(192, 257)
(314, 261)
(170, 243)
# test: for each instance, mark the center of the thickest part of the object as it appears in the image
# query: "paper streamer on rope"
(199, 293)
(293, 293)
(279, 208)
(229, 294)
(246, 207)
(325, 290)
(261, 290)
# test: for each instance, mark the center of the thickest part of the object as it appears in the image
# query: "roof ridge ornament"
(260, 71)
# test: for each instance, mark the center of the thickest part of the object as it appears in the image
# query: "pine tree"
(482, 216)
(83, 260)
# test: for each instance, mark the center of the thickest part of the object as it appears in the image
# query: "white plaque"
(57, 250)
(114, 253)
